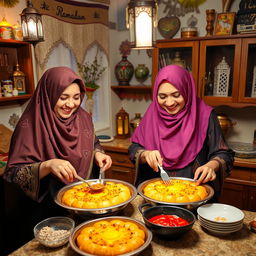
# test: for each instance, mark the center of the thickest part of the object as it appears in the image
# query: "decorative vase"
(210, 17)
(141, 73)
(124, 71)
(225, 123)
(89, 101)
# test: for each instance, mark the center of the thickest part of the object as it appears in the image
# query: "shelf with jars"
(137, 92)
(16, 72)
(224, 67)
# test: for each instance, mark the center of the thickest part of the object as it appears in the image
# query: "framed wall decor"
(224, 23)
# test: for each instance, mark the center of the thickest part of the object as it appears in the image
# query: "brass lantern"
(19, 80)
(31, 23)
(122, 124)
(141, 19)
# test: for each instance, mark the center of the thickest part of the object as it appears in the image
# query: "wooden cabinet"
(240, 55)
(166, 51)
(240, 187)
(122, 168)
(202, 55)
(11, 53)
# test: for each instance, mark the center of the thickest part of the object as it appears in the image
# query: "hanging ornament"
(9, 3)
(191, 3)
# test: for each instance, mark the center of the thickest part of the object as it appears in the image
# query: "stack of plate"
(220, 219)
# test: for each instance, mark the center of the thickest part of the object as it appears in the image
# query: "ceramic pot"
(141, 73)
(225, 123)
(124, 71)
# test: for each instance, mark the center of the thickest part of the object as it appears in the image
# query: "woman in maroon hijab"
(181, 133)
(52, 143)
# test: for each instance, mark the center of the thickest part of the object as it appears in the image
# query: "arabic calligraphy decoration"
(74, 12)
(175, 7)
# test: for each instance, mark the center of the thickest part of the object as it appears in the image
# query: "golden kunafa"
(179, 191)
(81, 196)
(112, 237)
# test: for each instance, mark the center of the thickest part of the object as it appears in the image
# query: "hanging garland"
(191, 3)
(9, 3)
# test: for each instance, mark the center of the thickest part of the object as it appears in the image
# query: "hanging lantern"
(122, 124)
(141, 19)
(31, 22)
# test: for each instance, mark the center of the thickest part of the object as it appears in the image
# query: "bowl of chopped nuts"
(54, 232)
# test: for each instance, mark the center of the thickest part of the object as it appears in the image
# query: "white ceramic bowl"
(230, 213)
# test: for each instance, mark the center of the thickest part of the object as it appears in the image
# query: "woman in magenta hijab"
(52, 143)
(181, 133)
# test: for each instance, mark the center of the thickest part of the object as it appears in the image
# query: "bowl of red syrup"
(167, 222)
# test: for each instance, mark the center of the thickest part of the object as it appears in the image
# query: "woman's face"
(170, 99)
(68, 102)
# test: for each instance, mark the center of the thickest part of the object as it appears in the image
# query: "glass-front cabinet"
(180, 52)
(224, 67)
(219, 71)
(247, 82)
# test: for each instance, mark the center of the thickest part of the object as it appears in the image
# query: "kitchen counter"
(123, 144)
(195, 242)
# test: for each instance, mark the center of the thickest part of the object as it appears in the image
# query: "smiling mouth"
(171, 109)
(67, 111)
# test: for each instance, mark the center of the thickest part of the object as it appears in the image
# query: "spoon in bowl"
(94, 187)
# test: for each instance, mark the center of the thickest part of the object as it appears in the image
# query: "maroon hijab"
(40, 135)
(179, 137)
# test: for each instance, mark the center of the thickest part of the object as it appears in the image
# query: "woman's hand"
(103, 161)
(62, 169)
(152, 157)
(206, 172)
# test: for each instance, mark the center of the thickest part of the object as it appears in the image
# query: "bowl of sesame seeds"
(54, 232)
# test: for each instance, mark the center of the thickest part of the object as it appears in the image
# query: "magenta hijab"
(40, 135)
(179, 137)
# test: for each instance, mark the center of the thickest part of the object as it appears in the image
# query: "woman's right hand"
(152, 157)
(62, 169)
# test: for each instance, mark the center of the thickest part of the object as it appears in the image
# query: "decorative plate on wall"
(168, 26)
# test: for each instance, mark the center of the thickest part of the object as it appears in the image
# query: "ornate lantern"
(122, 124)
(221, 79)
(19, 80)
(141, 19)
(31, 23)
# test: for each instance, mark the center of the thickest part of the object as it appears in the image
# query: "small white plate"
(211, 211)
(106, 140)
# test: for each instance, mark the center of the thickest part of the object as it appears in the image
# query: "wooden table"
(195, 242)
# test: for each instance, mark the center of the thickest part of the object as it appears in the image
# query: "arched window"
(61, 55)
